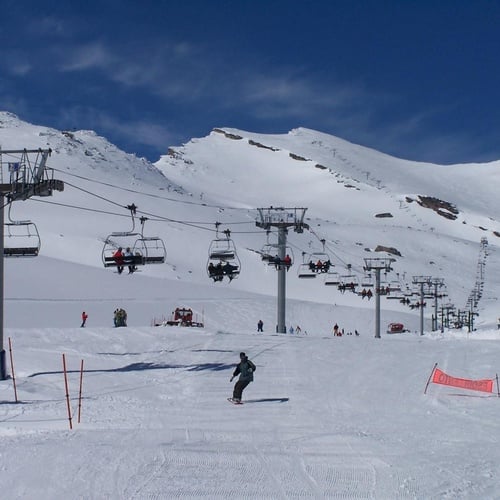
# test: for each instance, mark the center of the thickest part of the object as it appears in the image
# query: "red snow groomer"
(183, 316)
(396, 328)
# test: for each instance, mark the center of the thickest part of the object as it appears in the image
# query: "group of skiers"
(120, 317)
(320, 267)
(286, 262)
(126, 258)
(337, 332)
(217, 272)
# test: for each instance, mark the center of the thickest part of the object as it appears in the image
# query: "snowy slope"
(226, 175)
(326, 417)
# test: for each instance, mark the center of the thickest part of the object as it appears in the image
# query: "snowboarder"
(84, 318)
(245, 369)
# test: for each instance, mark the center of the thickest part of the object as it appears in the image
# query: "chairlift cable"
(157, 218)
(149, 194)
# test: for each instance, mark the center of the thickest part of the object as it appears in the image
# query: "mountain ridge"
(346, 188)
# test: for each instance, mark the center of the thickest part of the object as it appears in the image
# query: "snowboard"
(231, 400)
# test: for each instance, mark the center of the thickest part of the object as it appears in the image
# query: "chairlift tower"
(282, 219)
(436, 283)
(23, 174)
(422, 281)
(378, 264)
(446, 309)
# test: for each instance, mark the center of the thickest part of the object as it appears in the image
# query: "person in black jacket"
(245, 369)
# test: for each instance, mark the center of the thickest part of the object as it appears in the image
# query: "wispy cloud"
(141, 132)
(88, 56)
(191, 76)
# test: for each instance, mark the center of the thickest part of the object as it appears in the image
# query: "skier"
(260, 326)
(118, 256)
(84, 318)
(128, 260)
(244, 369)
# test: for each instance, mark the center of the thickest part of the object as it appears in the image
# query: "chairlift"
(268, 252)
(21, 238)
(367, 280)
(270, 255)
(122, 240)
(151, 248)
(223, 260)
(349, 281)
(332, 278)
(222, 248)
(306, 270)
(319, 262)
(394, 286)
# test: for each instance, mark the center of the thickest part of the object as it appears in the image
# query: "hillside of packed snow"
(362, 203)
(326, 417)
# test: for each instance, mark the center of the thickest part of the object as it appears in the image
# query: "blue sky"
(416, 79)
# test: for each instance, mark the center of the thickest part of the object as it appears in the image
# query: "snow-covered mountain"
(363, 203)
(326, 417)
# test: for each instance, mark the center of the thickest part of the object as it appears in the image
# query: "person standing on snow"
(245, 369)
(260, 326)
(84, 318)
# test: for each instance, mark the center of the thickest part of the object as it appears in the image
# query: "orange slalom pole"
(67, 391)
(13, 373)
(80, 394)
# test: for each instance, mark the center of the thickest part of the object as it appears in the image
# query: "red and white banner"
(485, 385)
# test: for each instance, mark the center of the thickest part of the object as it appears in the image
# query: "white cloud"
(85, 57)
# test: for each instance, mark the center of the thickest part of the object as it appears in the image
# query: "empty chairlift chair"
(367, 281)
(21, 238)
(332, 278)
(151, 248)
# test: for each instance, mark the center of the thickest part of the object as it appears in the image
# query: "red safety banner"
(439, 377)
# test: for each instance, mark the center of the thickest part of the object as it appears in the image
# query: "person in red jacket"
(84, 318)
(119, 259)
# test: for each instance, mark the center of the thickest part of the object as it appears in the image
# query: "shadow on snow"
(137, 367)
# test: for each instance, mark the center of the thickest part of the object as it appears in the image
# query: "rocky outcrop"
(259, 145)
(228, 134)
(443, 208)
(391, 250)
